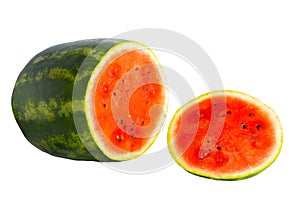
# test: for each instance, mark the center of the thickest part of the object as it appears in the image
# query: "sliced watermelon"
(100, 99)
(225, 135)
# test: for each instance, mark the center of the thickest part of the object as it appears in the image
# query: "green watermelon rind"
(49, 110)
(238, 176)
(42, 98)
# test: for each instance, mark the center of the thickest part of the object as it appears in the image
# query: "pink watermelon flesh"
(130, 127)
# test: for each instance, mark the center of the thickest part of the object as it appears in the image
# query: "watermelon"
(98, 99)
(226, 135)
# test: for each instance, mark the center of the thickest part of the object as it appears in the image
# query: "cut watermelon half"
(225, 135)
(96, 99)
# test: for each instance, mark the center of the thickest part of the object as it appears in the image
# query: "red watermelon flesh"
(128, 99)
(225, 135)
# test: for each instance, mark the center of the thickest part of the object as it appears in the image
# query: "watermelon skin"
(44, 105)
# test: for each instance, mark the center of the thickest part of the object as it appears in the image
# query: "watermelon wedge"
(100, 99)
(225, 135)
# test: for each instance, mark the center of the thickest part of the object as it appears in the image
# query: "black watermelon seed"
(258, 127)
(243, 126)
(228, 112)
(219, 148)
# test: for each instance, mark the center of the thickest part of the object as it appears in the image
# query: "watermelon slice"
(99, 99)
(225, 135)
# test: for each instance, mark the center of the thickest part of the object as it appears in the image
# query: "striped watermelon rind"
(48, 99)
(252, 171)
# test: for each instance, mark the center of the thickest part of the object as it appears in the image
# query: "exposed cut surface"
(247, 135)
(127, 90)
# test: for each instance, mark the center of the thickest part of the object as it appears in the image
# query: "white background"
(254, 44)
